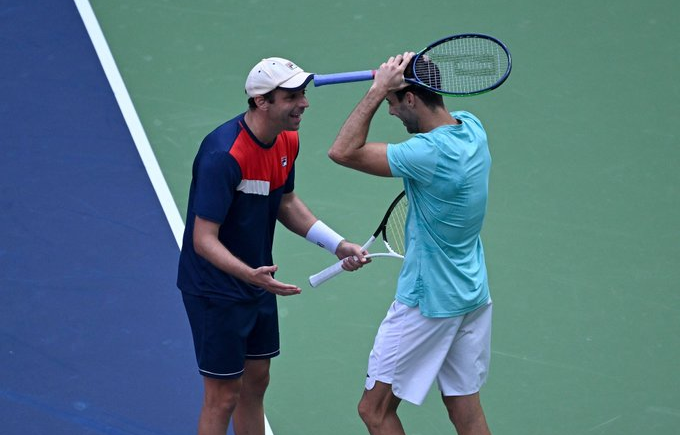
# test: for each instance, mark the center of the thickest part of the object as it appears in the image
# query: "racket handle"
(326, 274)
(346, 77)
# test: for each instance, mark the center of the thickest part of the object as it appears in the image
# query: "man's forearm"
(354, 132)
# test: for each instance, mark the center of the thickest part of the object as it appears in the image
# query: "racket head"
(461, 65)
(393, 225)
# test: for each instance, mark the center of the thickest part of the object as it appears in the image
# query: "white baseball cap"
(276, 72)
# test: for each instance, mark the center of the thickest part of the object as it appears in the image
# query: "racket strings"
(395, 227)
(462, 65)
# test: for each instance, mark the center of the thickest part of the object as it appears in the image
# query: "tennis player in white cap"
(242, 183)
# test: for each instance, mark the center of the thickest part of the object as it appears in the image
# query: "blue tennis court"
(92, 333)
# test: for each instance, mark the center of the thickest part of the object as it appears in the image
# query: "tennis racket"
(458, 65)
(392, 230)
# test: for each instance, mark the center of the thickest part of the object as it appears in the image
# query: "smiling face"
(401, 110)
(286, 109)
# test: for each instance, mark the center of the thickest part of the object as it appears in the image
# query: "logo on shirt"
(284, 161)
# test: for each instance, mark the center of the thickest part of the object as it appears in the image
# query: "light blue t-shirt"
(446, 178)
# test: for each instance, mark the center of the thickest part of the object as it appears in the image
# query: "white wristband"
(322, 235)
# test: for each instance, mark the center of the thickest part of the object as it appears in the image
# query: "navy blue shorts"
(226, 333)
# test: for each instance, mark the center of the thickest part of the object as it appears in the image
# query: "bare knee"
(466, 414)
(222, 406)
(372, 416)
(367, 412)
(256, 378)
(378, 409)
(221, 396)
(260, 382)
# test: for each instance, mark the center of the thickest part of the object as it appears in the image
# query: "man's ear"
(261, 102)
(410, 99)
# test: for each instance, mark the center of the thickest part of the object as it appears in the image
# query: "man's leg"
(466, 414)
(378, 410)
(249, 414)
(219, 401)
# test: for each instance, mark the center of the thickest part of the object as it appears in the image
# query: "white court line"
(135, 127)
(132, 120)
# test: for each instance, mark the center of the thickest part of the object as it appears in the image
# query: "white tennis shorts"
(411, 351)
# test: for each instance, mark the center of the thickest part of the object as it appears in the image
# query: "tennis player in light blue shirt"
(446, 176)
(438, 327)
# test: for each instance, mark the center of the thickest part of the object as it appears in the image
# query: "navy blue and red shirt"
(237, 182)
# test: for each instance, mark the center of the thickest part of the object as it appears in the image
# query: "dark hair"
(429, 74)
(269, 97)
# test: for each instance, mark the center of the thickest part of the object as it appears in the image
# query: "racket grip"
(346, 77)
(326, 274)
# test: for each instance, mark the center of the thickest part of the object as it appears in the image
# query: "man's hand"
(263, 277)
(390, 75)
(352, 255)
